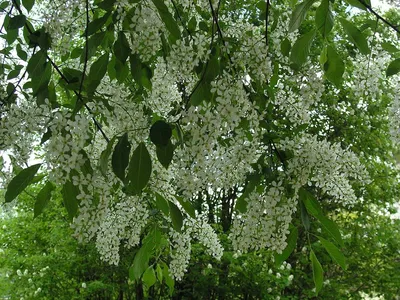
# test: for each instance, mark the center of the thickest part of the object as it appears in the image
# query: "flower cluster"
(266, 221)
(326, 166)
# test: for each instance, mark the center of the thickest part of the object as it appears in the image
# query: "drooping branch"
(97, 124)
(370, 9)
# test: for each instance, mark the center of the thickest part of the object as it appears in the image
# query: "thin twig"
(395, 28)
(86, 48)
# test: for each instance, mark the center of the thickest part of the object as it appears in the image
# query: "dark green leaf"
(393, 68)
(202, 92)
(318, 273)
(97, 24)
(160, 133)
(43, 198)
(21, 53)
(11, 36)
(28, 4)
(358, 3)
(310, 202)
(139, 169)
(301, 48)
(20, 182)
(389, 47)
(69, 193)
(299, 14)
(187, 206)
(46, 136)
(121, 71)
(162, 204)
(241, 204)
(324, 18)
(13, 74)
(334, 252)
(332, 229)
(170, 23)
(165, 154)
(120, 157)
(97, 71)
(16, 22)
(334, 66)
(176, 217)
(107, 5)
(305, 218)
(291, 245)
(104, 156)
(355, 36)
(36, 64)
(122, 48)
(285, 47)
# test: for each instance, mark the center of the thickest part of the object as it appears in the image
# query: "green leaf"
(334, 66)
(97, 24)
(176, 217)
(43, 198)
(16, 22)
(69, 193)
(334, 252)
(104, 156)
(299, 14)
(28, 4)
(36, 64)
(97, 71)
(332, 229)
(241, 204)
(20, 182)
(122, 48)
(389, 47)
(358, 3)
(165, 154)
(201, 92)
(187, 206)
(305, 218)
(139, 169)
(291, 245)
(355, 36)
(140, 262)
(99, 68)
(393, 68)
(162, 204)
(149, 277)
(169, 281)
(301, 48)
(21, 53)
(324, 18)
(120, 157)
(160, 133)
(13, 74)
(107, 5)
(159, 273)
(318, 273)
(170, 23)
(310, 202)
(285, 47)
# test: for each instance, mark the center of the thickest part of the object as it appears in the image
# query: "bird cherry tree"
(135, 110)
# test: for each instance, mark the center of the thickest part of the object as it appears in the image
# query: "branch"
(97, 124)
(395, 28)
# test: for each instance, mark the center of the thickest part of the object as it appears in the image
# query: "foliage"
(157, 119)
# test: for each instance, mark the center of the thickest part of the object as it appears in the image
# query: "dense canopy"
(162, 124)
